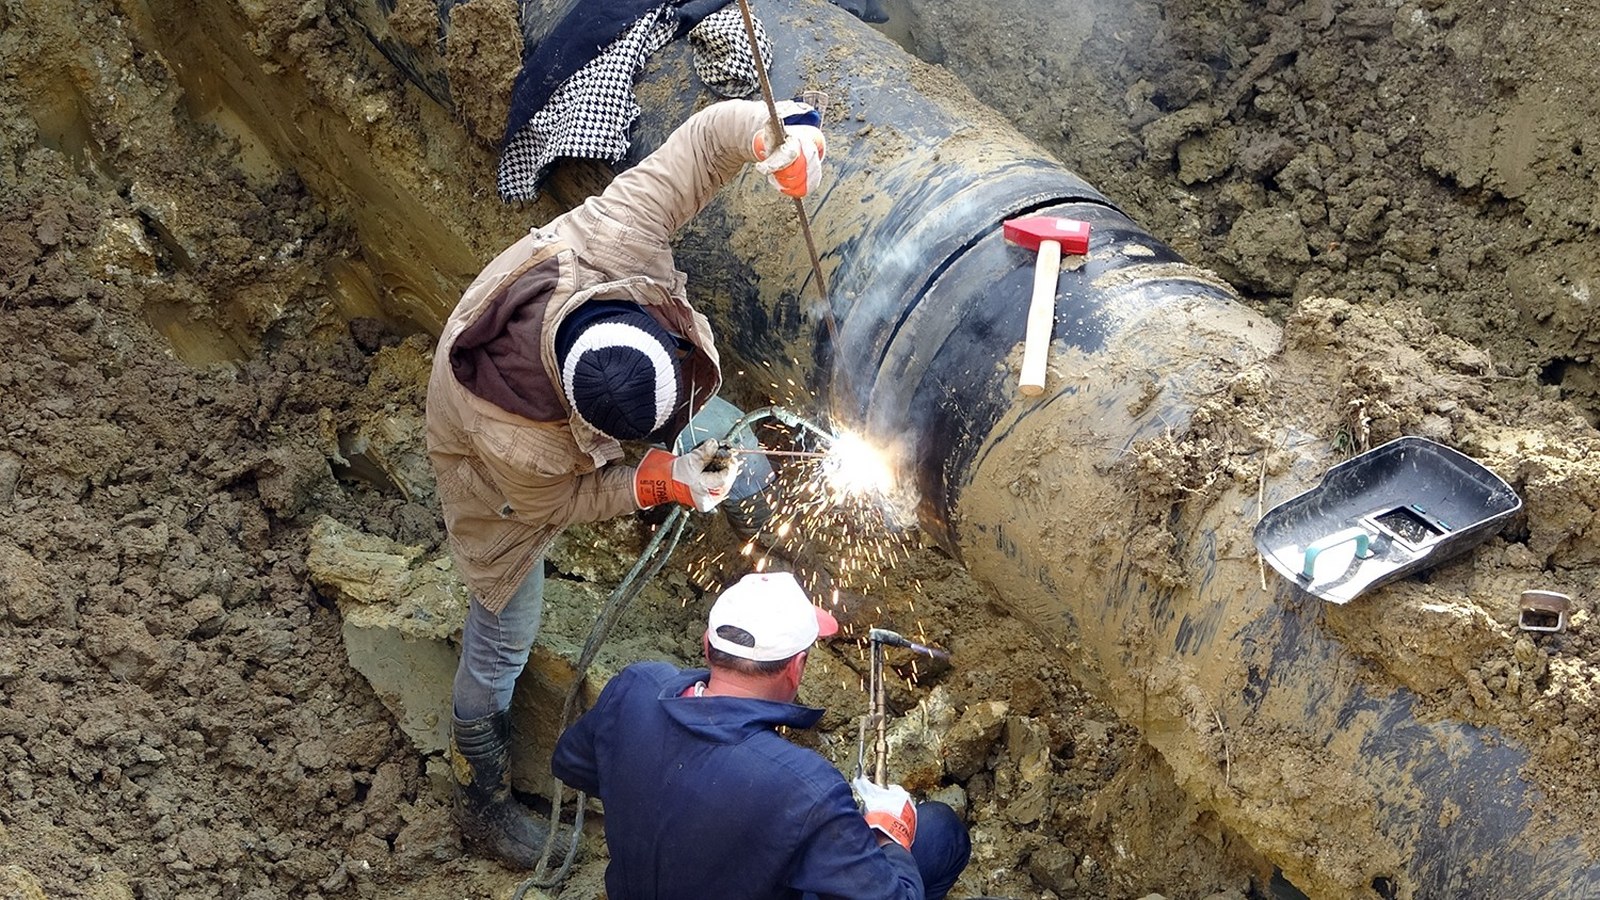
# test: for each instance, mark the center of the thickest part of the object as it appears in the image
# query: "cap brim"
(827, 625)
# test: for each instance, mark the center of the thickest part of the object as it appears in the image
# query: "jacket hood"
(729, 720)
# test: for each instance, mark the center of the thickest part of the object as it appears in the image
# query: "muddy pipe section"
(1343, 785)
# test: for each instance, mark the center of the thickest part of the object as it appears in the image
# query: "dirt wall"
(1431, 155)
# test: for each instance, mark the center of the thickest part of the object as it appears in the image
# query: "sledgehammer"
(1050, 237)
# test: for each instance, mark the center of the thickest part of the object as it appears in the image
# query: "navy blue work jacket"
(704, 800)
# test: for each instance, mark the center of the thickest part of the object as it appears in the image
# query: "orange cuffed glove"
(795, 168)
(888, 809)
(700, 478)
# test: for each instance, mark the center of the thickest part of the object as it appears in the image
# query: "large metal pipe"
(1347, 788)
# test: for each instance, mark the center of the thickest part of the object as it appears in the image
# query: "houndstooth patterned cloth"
(588, 116)
(722, 52)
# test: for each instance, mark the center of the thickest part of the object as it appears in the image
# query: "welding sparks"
(842, 505)
(836, 505)
(840, 520)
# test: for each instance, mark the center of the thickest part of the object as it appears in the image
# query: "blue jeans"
(941, 849)
(494, 649)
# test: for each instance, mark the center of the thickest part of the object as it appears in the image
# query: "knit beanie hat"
(619, 368)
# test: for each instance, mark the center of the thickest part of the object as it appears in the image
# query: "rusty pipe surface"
(931, 304)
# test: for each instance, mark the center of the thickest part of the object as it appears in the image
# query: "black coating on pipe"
(943, 387)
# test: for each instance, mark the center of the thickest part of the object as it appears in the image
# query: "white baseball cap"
(772, 608)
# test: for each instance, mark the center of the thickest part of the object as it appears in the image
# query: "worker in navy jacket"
(703, 798)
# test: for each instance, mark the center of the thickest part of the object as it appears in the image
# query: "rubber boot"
(494, 824)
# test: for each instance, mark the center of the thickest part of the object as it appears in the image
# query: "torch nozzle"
(895, 639)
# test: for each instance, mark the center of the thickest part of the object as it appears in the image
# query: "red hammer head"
(1071, 234)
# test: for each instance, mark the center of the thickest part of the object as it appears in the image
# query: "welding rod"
(775, 136)
(762, 451)
(894, 639)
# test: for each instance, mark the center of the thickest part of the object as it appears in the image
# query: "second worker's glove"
(888, 808)
(796, 167)
(699, 478)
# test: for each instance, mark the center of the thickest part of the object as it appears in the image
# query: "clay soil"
(189, 382)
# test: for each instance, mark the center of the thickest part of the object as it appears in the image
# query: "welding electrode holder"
(876, 718)
(720, 459)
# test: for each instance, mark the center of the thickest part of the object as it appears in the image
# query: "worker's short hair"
(721, 659)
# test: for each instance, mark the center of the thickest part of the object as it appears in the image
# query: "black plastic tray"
(1392, 511)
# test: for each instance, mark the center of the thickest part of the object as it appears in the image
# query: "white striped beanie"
(619, 368)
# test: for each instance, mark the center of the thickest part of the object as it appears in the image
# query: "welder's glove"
(795, 167)
(888, 808)
(699, 478)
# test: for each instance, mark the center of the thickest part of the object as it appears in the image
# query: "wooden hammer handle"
(1041, 316)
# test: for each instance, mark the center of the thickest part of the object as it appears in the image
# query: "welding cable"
(655, 555)
(784, 416)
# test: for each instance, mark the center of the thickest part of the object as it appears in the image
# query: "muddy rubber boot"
(494, 824)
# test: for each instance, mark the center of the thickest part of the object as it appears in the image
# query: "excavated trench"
(927, 297)
(1112, 515)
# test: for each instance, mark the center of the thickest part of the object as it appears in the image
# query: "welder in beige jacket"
(575, 339)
